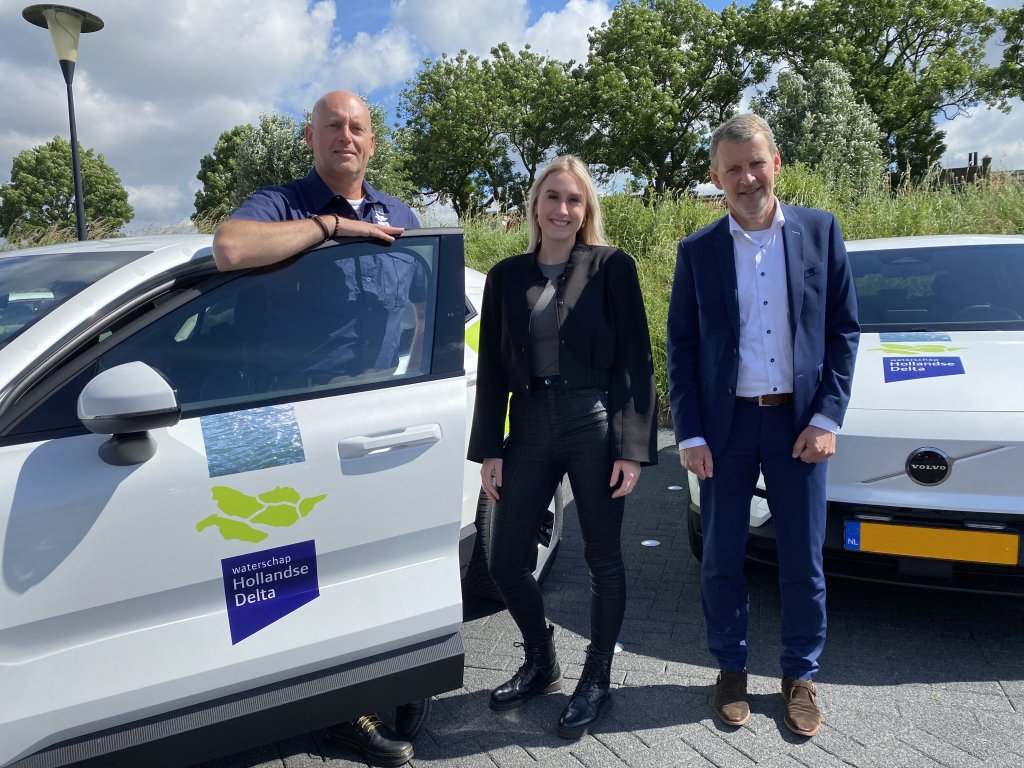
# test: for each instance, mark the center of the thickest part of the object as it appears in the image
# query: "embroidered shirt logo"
(381, 216)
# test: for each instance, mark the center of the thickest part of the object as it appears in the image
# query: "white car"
(206, 543)
(927, 484)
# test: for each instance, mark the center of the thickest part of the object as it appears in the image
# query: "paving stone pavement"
(909, 678)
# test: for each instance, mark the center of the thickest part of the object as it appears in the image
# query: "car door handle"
(363, 445)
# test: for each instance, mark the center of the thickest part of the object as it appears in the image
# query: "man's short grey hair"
(741, 128)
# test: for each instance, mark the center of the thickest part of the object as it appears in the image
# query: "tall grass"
(650, 233)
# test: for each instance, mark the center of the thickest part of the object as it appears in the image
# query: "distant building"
(970, 173)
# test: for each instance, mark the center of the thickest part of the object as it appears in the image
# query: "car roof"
(931, 241)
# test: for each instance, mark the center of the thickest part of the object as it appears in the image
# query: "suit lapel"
(722, 249)
(793, 243)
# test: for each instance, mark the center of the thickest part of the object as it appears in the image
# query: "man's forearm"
(240, 244)
(416, 353)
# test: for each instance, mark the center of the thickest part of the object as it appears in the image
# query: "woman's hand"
(490, 476)
(629, 472)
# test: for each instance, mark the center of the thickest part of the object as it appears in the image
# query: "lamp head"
(65, 25)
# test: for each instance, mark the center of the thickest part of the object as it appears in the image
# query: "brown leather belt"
(768, 400)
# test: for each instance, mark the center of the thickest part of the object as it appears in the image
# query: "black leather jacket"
(604, 344)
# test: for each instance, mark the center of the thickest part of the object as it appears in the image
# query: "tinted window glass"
(33, 284)
(941, 288)
(339, 317)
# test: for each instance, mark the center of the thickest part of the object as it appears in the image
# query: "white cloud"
(451, 25)
(987, 132)
(563, 34)
(369, 62)
(156, 202)
(156, 86)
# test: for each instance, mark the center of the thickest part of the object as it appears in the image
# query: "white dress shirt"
(766, 343)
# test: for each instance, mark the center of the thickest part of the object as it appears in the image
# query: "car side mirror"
(126, 402)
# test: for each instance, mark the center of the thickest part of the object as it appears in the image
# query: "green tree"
(660, 75)
(41, 192)
(909, 60)
(451, 130)
(820, 122)
(217, 173)
(531, 98)
(1008, 77)
(273, 153)
(388, 171)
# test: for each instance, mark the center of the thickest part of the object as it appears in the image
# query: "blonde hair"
(741, 128)
(592, 230)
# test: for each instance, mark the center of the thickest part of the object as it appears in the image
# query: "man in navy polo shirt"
(371, 293)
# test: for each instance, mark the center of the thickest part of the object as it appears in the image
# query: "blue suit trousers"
(761, 439)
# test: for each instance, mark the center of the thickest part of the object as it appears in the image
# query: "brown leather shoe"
(731, 698)
(802, 714)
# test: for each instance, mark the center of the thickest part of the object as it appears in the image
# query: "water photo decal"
(245, 441)
(251, 518)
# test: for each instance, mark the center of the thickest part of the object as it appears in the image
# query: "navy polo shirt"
(301, 198)
(352, 318)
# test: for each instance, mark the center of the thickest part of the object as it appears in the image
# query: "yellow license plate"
(992, 547)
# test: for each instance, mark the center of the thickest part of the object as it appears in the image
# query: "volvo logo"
(928, 466)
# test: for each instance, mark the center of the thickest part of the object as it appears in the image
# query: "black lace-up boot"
(376, 742)
(539, 674)
(589, 698)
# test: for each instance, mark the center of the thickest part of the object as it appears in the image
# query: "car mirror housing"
(126, 402)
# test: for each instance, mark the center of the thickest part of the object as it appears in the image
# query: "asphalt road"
(909, 678)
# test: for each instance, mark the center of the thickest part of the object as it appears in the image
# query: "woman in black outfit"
(563, 329)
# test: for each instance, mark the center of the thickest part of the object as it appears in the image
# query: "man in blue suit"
(762, 339)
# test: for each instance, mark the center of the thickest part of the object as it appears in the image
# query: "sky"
(158, 84)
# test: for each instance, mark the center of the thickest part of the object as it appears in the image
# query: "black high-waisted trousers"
(553, 432)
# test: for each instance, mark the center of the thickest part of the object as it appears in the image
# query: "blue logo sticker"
(914, 336)
(906, 368)
(262, 587)
(851, 538)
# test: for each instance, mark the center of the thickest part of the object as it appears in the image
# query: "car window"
(941, 288)
(348, 316)
(33, 284)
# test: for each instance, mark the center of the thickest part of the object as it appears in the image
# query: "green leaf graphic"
(277, 508)
(279, 516)
(231, 529)
(915, 349)
(235, 503)
(306, 505)
(281, 495)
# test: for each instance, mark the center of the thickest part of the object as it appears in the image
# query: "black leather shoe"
(539, 674)
(592, 695)
(411, 718)
(376, 742)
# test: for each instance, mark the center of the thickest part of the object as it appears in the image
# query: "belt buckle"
(760, 401)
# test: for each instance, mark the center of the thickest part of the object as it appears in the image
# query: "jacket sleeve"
(842, 332)
(632, 396)
(487, 435)
(682, 340)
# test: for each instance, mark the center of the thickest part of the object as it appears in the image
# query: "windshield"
(33, 284)
(943, 288)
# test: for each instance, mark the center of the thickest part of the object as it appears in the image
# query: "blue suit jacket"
(704, 323)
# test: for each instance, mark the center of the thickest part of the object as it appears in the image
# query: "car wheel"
(478, 581)
(696, 539)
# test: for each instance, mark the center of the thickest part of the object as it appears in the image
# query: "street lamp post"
(65, 25)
